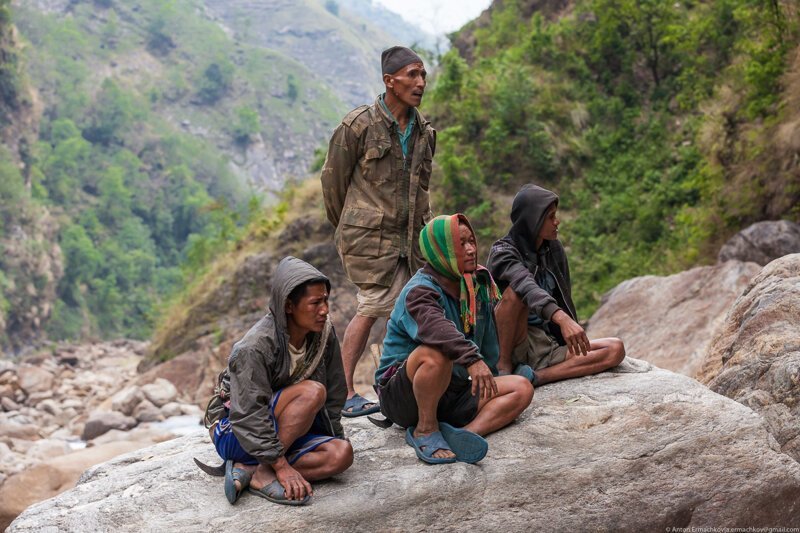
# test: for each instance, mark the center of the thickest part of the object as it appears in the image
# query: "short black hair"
(298, 292)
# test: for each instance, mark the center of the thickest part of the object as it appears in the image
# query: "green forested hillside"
(655, 121)
(135, 135)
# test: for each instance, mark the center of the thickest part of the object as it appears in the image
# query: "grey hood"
(290, 273)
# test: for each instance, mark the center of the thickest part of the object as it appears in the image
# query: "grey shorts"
(539, 350)
(377, 301)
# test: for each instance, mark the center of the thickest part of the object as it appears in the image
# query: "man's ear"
(388, 81)
(288, 308)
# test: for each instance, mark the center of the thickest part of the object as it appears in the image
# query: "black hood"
(527, 216)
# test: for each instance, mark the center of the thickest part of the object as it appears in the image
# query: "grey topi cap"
(396, 57)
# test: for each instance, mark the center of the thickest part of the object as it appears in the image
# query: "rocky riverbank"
(72, 407)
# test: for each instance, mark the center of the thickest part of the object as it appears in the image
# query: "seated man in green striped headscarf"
(437, 376)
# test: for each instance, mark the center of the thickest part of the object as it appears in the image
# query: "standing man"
(375, 183)
(536, 319)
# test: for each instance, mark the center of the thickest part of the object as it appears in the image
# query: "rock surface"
(755, 355)
(638, 449)
(669, 321)
(762, 242)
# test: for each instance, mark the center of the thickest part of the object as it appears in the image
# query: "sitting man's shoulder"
(260, 339)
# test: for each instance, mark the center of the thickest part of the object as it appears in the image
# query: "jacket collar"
(388, 120)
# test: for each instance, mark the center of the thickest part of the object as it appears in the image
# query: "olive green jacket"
(377, 199)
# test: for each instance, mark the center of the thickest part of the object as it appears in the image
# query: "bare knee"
(430, 357)
(510, 303)
(338, 457)
(314, 392)
(523, 389)
(616, 351)
(342, 455)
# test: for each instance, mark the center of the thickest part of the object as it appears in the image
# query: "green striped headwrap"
(441, 247)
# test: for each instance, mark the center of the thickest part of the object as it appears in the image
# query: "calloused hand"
(295, 486)
(573, 333)
(482, 380)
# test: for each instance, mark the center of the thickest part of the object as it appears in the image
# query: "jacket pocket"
(376, 164)
(361, 232)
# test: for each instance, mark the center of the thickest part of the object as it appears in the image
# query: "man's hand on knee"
(482, 380)
(573, 333)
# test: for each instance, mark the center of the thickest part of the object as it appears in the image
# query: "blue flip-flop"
(232, 475)
(469, 447)
(357, 404)
(427, 445)
(527, 372)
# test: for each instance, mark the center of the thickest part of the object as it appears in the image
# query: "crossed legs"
(430, 372)
(512, 326)
(295, 412)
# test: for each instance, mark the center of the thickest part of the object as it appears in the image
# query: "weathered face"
(311, 311)
(469, 248)
(407, 84)
(549, 229)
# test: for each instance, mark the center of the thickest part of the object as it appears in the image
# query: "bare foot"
(439, 454)
(263, 476)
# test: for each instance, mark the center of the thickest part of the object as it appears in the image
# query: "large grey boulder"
(762, 242)
(755, 354)
(638, 449)
(669, 321)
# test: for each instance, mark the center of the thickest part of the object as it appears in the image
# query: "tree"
(248, 124)
(217, 79)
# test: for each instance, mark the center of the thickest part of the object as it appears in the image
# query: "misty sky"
(437, 16)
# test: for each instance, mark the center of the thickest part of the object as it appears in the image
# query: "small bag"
(220, 403)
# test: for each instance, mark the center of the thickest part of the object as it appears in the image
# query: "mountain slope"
(651, 119)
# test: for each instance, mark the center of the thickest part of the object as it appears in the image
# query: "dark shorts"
(228, 446)
(457, 406)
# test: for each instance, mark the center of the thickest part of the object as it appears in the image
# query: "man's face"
(311, 311)
(549, 231)
(407, 84)
(469, 249)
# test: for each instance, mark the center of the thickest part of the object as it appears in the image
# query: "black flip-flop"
(274, 492)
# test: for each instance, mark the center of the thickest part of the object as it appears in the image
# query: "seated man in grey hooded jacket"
(276, 417)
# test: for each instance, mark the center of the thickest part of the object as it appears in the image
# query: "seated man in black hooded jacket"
(536, 319)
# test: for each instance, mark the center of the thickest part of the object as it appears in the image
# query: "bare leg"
(295, 412)
(329, 459)
(430, 373)
(353, 344)
(511, 316)
(514, 395)
(603, 354)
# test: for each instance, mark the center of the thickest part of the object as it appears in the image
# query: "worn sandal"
(232, 475)
(358, 406)
(427, 445)
(469, 447)
(274, 492)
